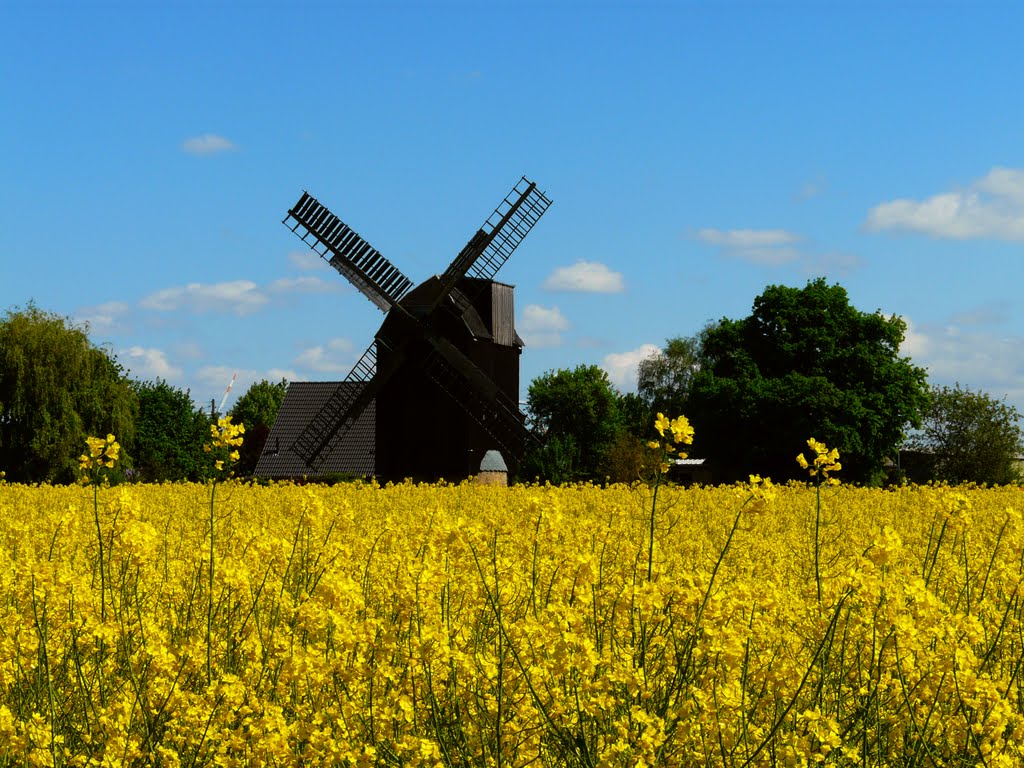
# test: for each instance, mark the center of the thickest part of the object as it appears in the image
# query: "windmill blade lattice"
(362, 264)
(344, 406)
(493, 244)
(489, 407)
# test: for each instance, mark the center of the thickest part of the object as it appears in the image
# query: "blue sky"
(695, 153)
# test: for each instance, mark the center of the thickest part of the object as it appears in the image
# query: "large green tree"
(257, 409)
(968, 436)
(56, 388)
(804, 364)
(169, 434)
(576, 413)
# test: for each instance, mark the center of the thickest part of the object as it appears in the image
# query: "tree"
(804, 364)
(169, 434)
(257, 410)
(629, 459)
(637, 416)
(664, 378)
(969, 437)
(576, 412)
(56, 388)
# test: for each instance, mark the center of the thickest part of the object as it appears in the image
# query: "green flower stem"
(650, 543)
(99, 537)
(817, 541)
(209, 605)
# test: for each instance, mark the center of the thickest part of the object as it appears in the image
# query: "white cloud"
(622, 366)
(538, 318)
(305, 284)
(150, 363)
(276, 374)
(915, 344)
(333, 357)
(768, 247)
(215, 379)
(189, 350)
(585, 277)
(776, 247)
(207, 144)
(994, 314)
(220, 375)
(306, 260)
(990, 207)
(542, 326)
(242, 297)
(104, 318)
(746, 238)
(990, 362)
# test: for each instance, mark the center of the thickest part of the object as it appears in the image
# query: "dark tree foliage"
(56, 389)
(969, 436)
(637, 416)
(804, 364)
(169, 435)
(257, 409)
(555, 462)
(576, 412)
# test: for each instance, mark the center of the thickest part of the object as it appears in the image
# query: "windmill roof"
(353, 454)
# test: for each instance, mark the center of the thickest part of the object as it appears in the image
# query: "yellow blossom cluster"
(225, 438)
(467, 625)
(681, 434)
(823, 462)
(100, 453)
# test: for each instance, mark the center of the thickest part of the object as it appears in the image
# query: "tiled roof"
(352, 454)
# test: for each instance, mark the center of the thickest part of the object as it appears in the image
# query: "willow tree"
(56, 387)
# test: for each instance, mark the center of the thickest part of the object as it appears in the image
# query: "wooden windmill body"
(442, 373)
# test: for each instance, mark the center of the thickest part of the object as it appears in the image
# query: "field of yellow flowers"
(475, 626)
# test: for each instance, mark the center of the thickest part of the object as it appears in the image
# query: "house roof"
(352, 454)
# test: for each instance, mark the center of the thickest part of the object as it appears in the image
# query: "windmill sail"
(457, 375)
(489, 249)
(344, 406)
(362, 264)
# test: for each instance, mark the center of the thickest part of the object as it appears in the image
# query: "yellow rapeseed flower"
(225, 438)
(682, 432)
(101, 452)
(824, 461)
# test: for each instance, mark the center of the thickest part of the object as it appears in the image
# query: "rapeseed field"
(231, 624)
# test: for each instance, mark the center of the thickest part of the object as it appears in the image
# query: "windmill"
(443, 370)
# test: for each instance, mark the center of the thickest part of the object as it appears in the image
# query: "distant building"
(690, 472)
(493, 470)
